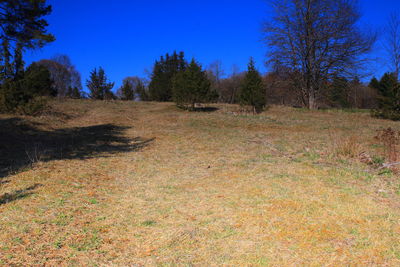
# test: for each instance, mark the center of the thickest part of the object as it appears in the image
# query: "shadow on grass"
(198, 108)
(23, 143)
(205, 109)
(19, 194)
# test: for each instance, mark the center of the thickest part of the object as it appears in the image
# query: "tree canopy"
(99, 86)
(316, 40)
(191, 86)
(252, 90)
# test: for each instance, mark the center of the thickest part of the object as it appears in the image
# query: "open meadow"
(117, 183)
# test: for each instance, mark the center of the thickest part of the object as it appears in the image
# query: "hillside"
(124, 183)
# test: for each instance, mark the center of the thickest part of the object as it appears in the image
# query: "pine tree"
(74, 93)
(164, 70)
(24, 95)
(389, 96)
(252, 89)
(22, 26)
(142, 92)
(99, 86)
(18, 61)
(191, 86)
(6, 66)
(127, 91)
(338, 92)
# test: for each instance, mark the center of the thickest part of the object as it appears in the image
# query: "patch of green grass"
(312, 156)
(59, 243)
(378, 160)
(17, 240)
(262, 261)
(386, 172)
(91, 241)
(149, 223)
(63, 219)
(93, 201)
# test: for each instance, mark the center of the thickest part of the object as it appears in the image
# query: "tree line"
(316, 49)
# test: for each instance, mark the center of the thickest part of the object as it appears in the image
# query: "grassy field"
(146, 184)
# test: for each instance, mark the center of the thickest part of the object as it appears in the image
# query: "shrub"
(27, 95)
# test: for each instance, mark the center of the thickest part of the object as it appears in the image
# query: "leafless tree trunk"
(393, 42)
(216, 73)
(316, 40)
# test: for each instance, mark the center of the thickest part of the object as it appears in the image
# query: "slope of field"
(146, 184)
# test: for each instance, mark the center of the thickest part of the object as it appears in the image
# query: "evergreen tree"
(18, 61)
(164, 70)
(99, 86)
(21, 27)
(338, 92)
(388, 89)
(252, 89)
(127, 92)
(23, 95)
(74, 93)
(191, 86)
(142, 92)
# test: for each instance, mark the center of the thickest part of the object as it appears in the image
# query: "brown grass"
(212, 189)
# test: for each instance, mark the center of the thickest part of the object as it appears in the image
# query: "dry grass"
(212, 189)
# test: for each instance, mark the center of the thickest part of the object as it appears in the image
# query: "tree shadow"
(22, 143)
(198, 108)
(19, 194)
(205, 109)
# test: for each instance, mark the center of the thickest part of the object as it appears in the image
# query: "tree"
(164, 70)
(133, 88)
(67, 80)
(6, 69)
(22, 27)
(393, 42)
(23, 95)
(215, 74)
(317, 40)
(74, 93)
(127, 92)
(389, 96)
(191, 86)
(229, 90)
(99, 86)
(339, 92)
(141, 91)
(75, 77)
(252, 90)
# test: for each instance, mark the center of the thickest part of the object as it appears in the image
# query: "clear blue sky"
(125, 37)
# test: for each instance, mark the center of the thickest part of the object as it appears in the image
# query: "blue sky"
(125, 37)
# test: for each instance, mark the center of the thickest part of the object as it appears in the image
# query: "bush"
(28, 94)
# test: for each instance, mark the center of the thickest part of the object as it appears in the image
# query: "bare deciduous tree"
(64, 74)
(215, 73)
(317, 40)
(393, 42)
